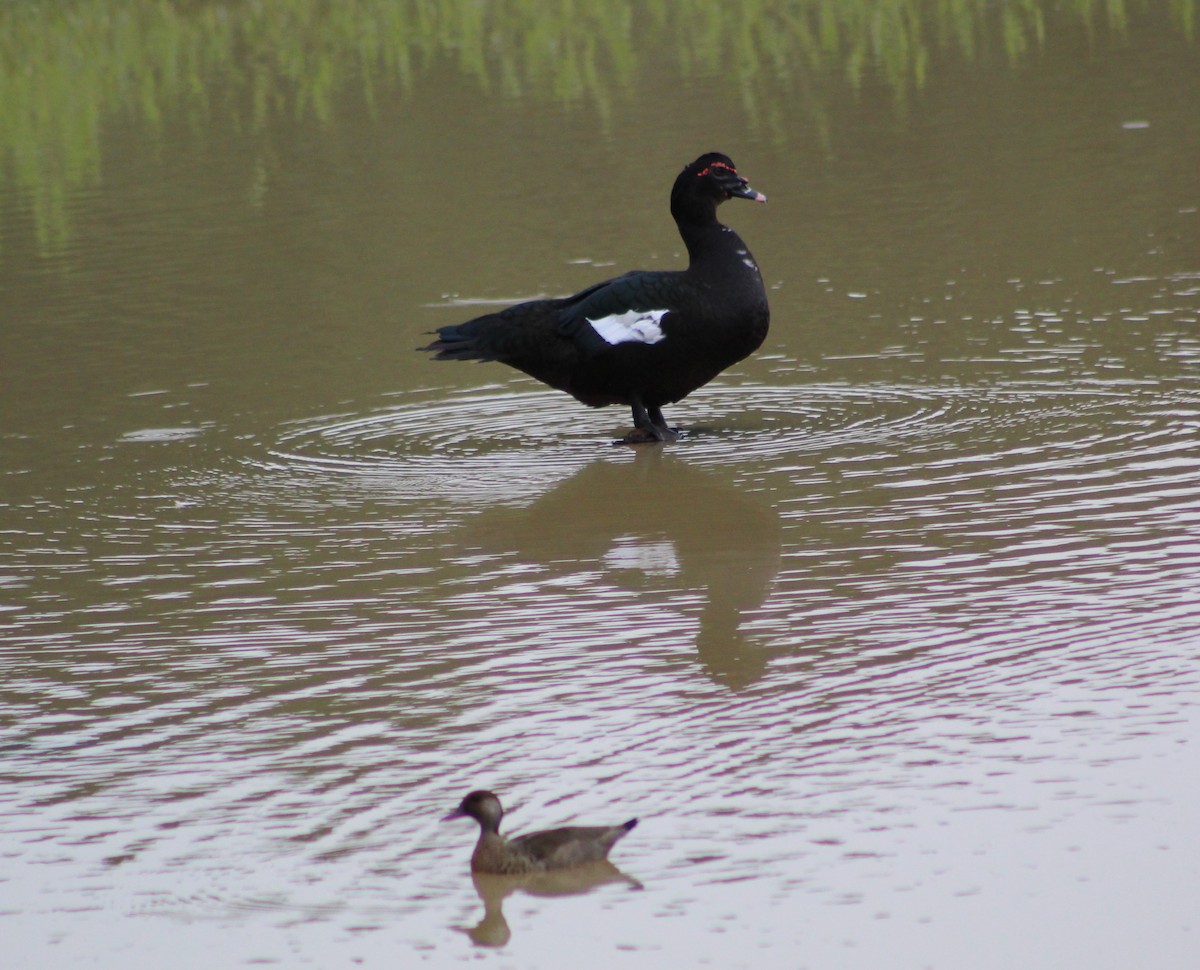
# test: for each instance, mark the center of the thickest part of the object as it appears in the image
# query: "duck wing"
(629, 309)
(570, 846)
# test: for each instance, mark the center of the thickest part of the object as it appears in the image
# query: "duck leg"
(659, 422)
(648, 425)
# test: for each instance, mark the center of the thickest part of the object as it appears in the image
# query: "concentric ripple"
(509, 443)
(475, 445)
(502, 443)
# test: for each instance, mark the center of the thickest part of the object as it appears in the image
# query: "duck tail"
(459, 341)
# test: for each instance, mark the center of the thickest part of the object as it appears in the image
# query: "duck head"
(483, 806)
(715, 175)
(704, 185)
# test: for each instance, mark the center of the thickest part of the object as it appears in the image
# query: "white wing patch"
(632, 326)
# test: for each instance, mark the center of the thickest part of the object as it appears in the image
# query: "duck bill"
(745, 192)
(457, 813)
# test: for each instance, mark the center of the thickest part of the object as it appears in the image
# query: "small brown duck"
(537, 851)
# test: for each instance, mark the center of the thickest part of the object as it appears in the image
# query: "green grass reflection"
(70, 69)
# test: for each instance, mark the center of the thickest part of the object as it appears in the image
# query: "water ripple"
(827, 610)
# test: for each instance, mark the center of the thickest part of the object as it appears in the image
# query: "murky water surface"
(894, 655)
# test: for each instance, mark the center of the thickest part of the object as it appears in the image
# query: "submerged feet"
(645, 436)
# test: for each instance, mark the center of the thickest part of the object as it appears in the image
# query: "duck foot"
(649, 436)
(648, 425)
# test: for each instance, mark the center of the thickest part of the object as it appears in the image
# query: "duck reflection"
(493, 929)
(656, 523)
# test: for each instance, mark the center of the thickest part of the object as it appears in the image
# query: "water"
(893, 655)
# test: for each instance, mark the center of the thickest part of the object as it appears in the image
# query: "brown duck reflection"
(658, 524)
(493, 929)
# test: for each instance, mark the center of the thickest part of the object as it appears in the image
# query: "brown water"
(895, 655)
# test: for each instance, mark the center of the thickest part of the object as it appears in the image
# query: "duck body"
(647, 338)
(537, 851)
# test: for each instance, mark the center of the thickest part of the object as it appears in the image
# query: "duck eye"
(722, 172)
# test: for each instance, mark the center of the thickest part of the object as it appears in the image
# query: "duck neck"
(491, 837)
(696, 220)
(713, 243)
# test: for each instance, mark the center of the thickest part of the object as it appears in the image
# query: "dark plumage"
(537, 851)
(646, 338)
